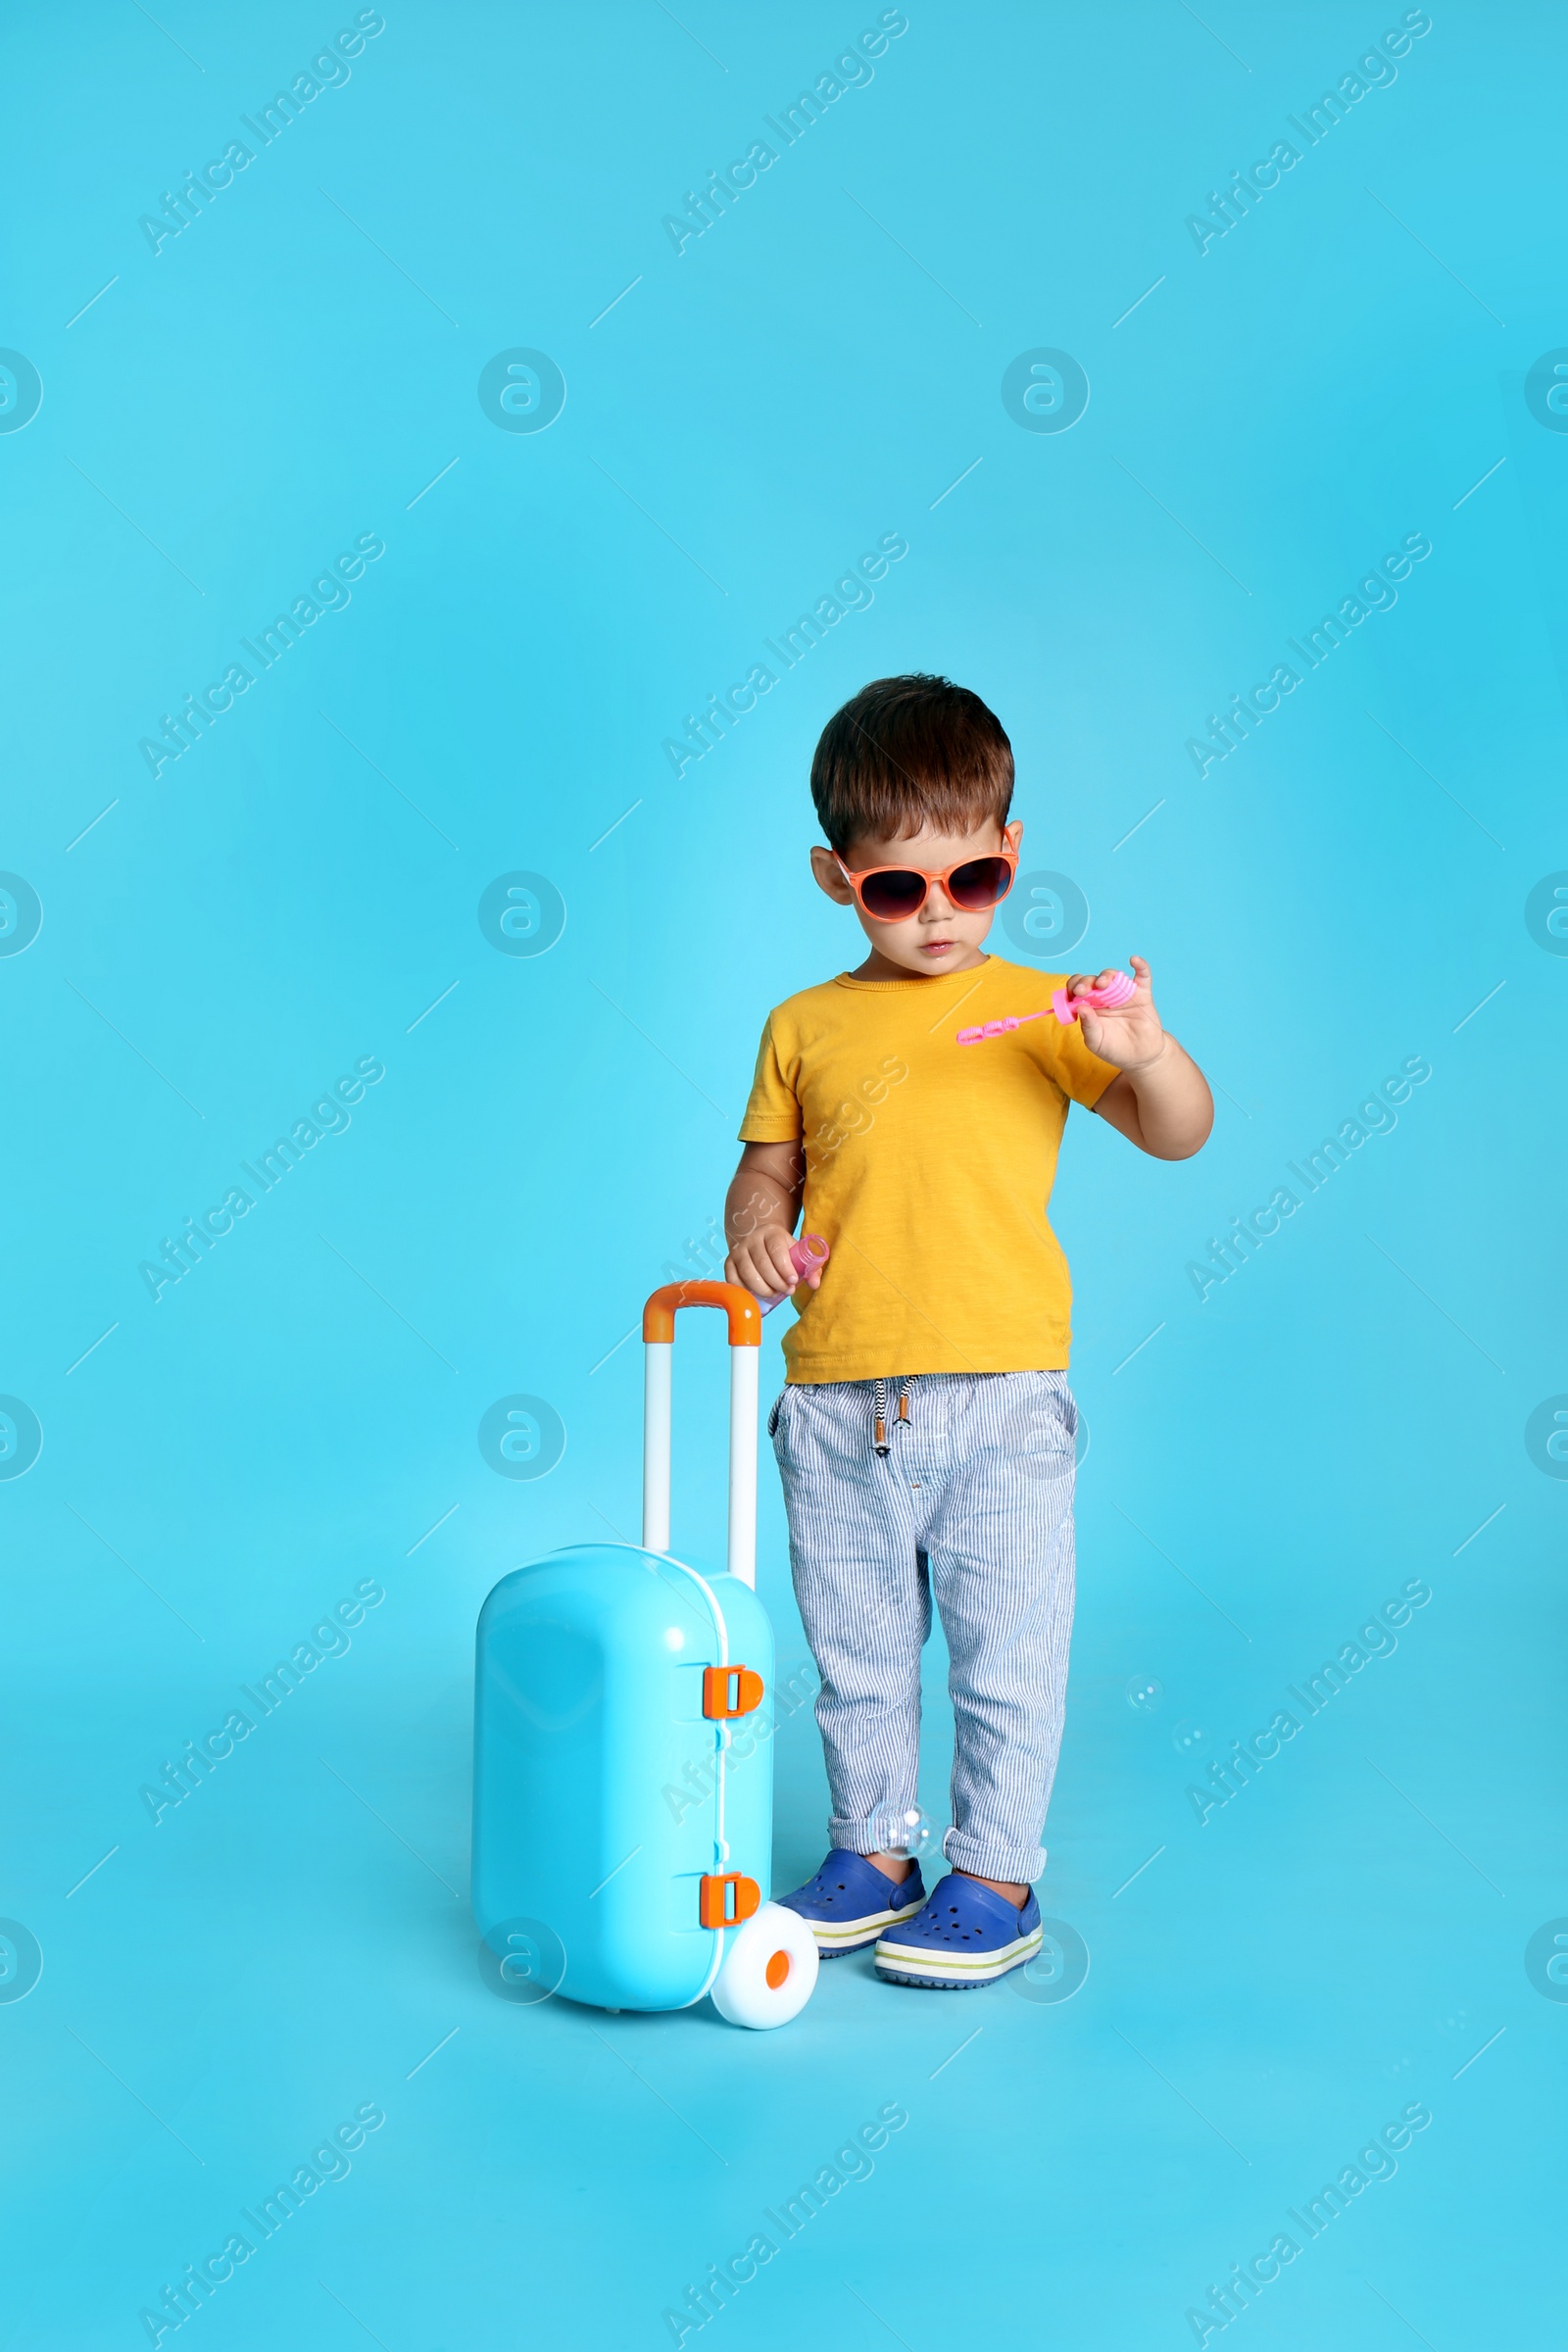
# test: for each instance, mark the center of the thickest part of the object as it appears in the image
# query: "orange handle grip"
(744, 1315)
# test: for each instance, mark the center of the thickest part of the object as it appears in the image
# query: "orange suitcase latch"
(730, 1691)
(713, 1895)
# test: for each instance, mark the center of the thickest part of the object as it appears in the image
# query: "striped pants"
(972, 1503)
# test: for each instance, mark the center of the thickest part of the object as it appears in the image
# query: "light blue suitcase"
(623, 1777)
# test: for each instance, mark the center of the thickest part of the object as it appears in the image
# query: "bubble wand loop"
(808, 1256)
(1120, 989)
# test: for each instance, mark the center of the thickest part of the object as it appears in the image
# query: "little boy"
(925, 1436)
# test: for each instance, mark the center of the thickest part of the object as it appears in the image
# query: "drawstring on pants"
(880, 1422)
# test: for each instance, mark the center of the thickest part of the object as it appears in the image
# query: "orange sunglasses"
(891, 894)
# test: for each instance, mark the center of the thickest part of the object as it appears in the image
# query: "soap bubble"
(1187, 1736)
(901, 1830)
(1145, 1694)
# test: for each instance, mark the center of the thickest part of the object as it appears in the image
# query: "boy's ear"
(825, 867)
(1013, 834)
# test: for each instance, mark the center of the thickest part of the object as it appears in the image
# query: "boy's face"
(940, 937)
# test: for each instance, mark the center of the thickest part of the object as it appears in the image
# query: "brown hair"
(908, 752)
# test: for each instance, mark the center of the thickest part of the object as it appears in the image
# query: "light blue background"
(300, 890)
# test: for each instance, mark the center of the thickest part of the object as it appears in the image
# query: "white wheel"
(769, 1972)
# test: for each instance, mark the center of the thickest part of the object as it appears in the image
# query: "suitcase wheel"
(769, 1972)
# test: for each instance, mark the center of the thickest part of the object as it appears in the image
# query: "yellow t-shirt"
(928, 1167)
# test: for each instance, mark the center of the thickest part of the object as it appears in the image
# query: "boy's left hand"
(1130, 1035)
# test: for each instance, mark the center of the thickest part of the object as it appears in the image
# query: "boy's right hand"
(762, 1263)
(760, 1208)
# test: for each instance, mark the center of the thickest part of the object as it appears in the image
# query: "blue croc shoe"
(967, 1935)
(850, 1902)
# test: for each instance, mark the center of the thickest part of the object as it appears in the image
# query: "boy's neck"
(878, 967)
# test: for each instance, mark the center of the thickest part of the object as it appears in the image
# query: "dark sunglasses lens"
(893, 896)
(980, 883)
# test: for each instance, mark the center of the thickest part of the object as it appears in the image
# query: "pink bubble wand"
(1120, 989)
(806, 1254)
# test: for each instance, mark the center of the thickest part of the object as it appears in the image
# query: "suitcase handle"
(745, 1360)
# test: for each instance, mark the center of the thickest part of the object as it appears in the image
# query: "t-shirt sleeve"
(773, 1110)
(1081, 1075)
